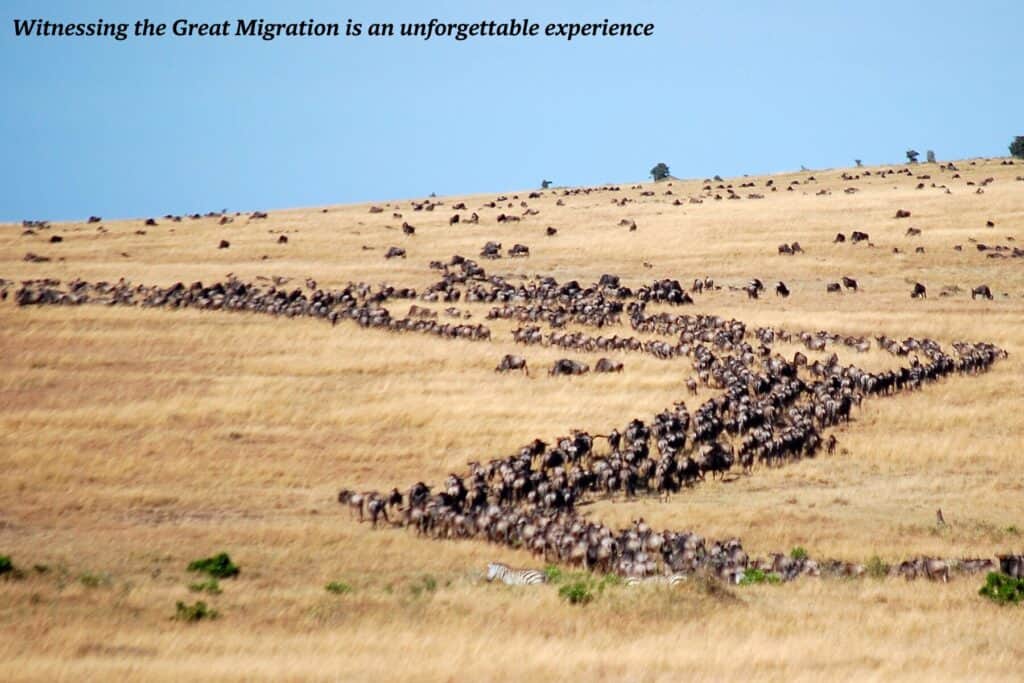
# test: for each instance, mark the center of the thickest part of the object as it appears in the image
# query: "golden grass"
(134, 441)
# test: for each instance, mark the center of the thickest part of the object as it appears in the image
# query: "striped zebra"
(670, 580)
(515, 577)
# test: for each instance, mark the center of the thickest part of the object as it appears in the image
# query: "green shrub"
(426, 584)
(1003, 589)
(6, 566)
(211, 586)
(876, 568)
(196, 612)
(798, 553)
(756, 576)
(577, 592)
(338, 587)
(90, 580)
(554, 573)
(219, 566)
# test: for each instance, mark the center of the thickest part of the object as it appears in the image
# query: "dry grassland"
(133, 441)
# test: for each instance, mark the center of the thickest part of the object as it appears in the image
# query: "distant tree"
(545, 184)
(1017, 147)
(660, 172)
(930, 154)
(912, 156)
(858, 162)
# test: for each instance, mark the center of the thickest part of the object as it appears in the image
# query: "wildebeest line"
(529, 499)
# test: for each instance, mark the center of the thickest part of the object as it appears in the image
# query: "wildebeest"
(981, 290)
(511, 362)
(1012, 565)
(858, 236)
(849, 283)
(519, 251)
(781, 290)
(283, 239)
(564, 366)
(833, 287)
(913, 232)
(902, 213)
(551, 232)
(453, 220)
(840, 237)
(408, 229)
(607, 365)
(224, 244)
(919, 291)
(395, 252)
(785, 249)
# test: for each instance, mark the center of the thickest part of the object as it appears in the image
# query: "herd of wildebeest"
(768, 408)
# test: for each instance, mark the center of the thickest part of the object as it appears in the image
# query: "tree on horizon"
(660, 171)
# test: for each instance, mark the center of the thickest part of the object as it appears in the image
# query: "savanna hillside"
(134, 441)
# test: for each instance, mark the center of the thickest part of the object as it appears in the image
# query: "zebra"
(670, 580)
(514, 577)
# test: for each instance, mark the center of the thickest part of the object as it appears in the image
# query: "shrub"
(426, 584)
(1003, 589)
(554, 573)
(6, 566)
(211, 586)
(577, 592)
(1017, 147)
(90, 580)
(196, 612)
(756, 576)
(219, 566)
(876, 568)
(338, 587)
(798, 553)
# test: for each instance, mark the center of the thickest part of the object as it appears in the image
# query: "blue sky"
(172, 125)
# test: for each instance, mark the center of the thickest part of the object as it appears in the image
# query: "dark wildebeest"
(919, 291)
(283, 239)
(981, 290)
(797, 249)
(830, 444)
(564, 366)
(394, 252)
(224, 244)
(519, 251)
(510, 362)
(408, 229)
(551, 232)
(785, 249)
(840, 237)
(1012, 565)
(858, 236)
(833, 287)
(781, 290)
(913, 232)
(607, 365)
(849, 283)
(453, 220)
(902, 213)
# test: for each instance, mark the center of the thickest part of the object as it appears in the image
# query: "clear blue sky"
(152, 126)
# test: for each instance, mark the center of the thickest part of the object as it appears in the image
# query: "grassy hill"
(134, 441)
